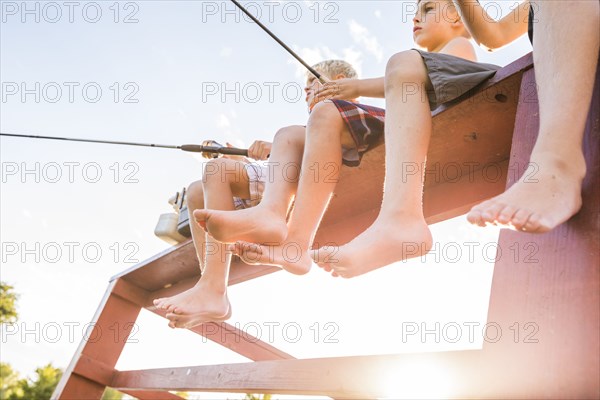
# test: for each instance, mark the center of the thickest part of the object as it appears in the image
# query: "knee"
(220, 171)
(324, 114)
(290, 134)
(195, 195)
(405, 67)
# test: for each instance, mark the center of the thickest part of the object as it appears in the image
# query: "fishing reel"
(174, 227)
(211, 143)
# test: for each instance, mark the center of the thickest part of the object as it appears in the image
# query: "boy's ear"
(339, 76)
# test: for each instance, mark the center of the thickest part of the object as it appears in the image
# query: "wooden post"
(545, 290)
(92, 367)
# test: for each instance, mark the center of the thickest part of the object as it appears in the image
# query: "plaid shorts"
(257, 176)
(365, 124)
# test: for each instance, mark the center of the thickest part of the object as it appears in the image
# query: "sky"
(176, 72)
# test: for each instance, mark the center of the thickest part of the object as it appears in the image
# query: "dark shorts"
(450, 76)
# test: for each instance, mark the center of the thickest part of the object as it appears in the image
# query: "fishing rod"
(296, 56)
(195, 148)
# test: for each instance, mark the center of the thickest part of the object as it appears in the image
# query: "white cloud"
(378, 14)
(313, 55)
(223, 122)
(228, 130)
(226, 52)
(363, 37)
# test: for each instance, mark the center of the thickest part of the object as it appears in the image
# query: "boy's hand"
(259, 150)
(341, 89)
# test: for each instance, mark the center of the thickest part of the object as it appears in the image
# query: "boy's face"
(312, 84)
(433, 23)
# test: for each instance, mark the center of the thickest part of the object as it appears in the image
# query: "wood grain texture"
(550, 283)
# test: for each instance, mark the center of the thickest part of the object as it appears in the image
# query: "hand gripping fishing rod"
(195, 148)
(321, 78)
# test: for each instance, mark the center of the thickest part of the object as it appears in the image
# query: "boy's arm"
(374, 87)
(488, 32)
(350, 89)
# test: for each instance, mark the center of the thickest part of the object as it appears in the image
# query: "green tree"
(9, 379)
(257, 397)
(40, 388)
(9, 382)
(8, 298)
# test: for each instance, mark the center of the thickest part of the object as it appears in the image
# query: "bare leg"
(265, 223)
(325, 134)
(400, 231)
(195, 201)
(207, 300)
(565, 57)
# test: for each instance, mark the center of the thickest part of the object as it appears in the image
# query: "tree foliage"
(8, 298)
(257, 396)
(40, 388)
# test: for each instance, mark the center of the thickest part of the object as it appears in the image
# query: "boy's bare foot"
(198, 300)
(383, 243)
(255, 224)
(289, 256)
(187, 321)
(548, 194)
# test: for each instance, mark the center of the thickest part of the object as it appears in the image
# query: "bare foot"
(187, 321)
(198, 300)
(255, 224)
(289, 256)
(548, 194)
(383, 243)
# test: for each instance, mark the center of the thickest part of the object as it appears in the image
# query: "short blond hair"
(332, 68)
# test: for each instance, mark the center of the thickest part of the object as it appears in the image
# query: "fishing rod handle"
(196, 148)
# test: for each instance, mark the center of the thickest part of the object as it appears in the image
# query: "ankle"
(217, 288)
(571, 163)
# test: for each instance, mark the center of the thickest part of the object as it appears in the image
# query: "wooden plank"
(94, 370)
(152, 395)
(223, 333)
(434, 375)
(179, 264)
(241, 342)
(549, 292)
(112, 323)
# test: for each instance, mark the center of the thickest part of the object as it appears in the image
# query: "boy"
(229, 177)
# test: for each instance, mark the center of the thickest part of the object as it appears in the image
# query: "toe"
(158, 303)
(475, 217)
(250, 257)
(490, 214)
(520, 218)
(505, 216)
(172, 316)
(534, 224)
(325, 266)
